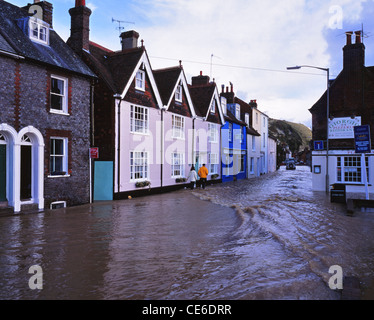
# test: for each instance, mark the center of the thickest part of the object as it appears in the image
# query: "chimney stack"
(47, 10)
(353, 53)
(129, 40)
(200, 80)
(80, 27)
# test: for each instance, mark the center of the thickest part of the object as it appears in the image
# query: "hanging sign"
(94, 153)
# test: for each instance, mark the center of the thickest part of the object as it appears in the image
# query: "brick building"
(351, 104)
(45, 96)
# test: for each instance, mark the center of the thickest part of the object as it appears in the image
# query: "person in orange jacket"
(203, 174)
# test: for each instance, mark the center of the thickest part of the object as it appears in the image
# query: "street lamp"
(327, 70)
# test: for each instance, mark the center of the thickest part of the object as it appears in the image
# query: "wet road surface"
(267, 238)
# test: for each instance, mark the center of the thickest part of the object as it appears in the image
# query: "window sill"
(358, 184)
(59, 112)
(140, 133)
(59, 176)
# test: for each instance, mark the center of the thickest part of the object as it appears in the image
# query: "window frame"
(144, 165)
(224, 105)
(246, 119)
(213, 106)
(140, 82)
(212, 133)
(237, 112)
(64, 156)
(349, 170)
(179, 93)
(178, 131)
(64, 97)
(41, 25)
(213, 163)
(180, 157)
(143, 118)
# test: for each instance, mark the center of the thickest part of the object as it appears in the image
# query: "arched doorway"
(26, 168)
(8, 193)
(30, 180)
(3, 168)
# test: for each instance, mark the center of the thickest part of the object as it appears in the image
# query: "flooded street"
(267, 238)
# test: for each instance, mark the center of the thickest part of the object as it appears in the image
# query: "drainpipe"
(193, 141)
(163, 108)
(92, 138)
(118, 96)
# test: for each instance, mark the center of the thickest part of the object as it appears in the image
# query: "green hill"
(296, 135)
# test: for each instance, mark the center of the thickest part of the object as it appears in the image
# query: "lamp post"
(327, 70)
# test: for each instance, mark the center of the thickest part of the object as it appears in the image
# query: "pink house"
(207, 125)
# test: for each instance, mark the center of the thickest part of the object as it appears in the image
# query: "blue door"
(103, 181)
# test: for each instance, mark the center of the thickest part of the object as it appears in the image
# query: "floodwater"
(267, 238)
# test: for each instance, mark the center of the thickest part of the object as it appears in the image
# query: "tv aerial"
(120, 28)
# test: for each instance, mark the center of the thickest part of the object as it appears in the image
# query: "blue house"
(233, 142)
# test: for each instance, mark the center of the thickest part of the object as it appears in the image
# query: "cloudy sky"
(248, 43)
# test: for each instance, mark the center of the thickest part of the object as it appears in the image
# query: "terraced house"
(45, 101)
(144, 119)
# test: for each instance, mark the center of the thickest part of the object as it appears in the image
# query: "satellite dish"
(36, 11)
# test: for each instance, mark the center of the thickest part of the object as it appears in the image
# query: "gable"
(217, 116)
(151, 89)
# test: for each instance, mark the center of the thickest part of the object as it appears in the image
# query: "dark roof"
(202, 96)
(166, 80)
(115, 68)
(15, 40)
(231, 118)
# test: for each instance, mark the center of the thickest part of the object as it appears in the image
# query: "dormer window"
(237, 112)
(39, 31)
(178, 93)
(247, 119)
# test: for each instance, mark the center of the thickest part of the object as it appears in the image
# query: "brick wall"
(24, 101)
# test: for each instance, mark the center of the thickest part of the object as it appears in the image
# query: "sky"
(247, 43)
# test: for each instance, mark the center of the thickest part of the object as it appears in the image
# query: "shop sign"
(342, 128)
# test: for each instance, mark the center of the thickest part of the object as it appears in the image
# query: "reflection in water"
(268, 238)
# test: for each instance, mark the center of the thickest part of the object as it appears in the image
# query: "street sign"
(94, 153)
(362, 139)
(318, 145)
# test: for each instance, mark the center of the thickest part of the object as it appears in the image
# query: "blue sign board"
(318, 145)
(362, 139)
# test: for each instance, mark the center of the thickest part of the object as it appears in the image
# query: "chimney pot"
(358, 36)
(349, 37)
(80, 3)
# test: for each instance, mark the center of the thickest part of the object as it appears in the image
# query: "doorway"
(3, 196)
(26, 172)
